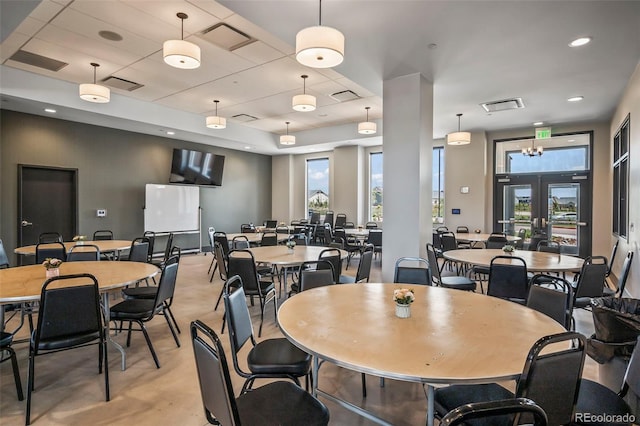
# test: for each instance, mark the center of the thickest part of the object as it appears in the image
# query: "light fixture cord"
(459, 123)
(182, 29)
(304, 86)
(94, 74)
(320, 14)
(367, 114)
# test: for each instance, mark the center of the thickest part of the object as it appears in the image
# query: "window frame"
(306, 183)
(620, 177)
(370, 191)
(441, 200)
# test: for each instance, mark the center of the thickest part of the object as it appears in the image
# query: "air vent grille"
(503, 105)
(244, 118)
(121, 83)
(39, 61)
(345, 96)
(227, 37)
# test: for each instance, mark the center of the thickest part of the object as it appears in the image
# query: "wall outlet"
(101, 213)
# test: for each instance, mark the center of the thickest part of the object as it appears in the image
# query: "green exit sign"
(543, 132)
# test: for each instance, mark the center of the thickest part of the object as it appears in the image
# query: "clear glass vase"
(403, 311)
(53, 272)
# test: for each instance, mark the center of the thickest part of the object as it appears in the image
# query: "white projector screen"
(171, 208)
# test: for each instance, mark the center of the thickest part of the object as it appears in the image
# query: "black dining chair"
(508, 278)
(84, 252)
(102, 235)
(495, 412)
(50, 237)
(54, 250)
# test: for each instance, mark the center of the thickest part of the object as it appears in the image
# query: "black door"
(47, 202)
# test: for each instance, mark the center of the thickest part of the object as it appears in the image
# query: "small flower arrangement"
(52, 263)
(508, 248)
(290, 244)
(80, 238)
(403, 296)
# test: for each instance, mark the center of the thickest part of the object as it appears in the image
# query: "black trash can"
(617, 327)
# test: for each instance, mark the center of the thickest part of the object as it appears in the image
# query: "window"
(621, 180)
(317, 186)
(375, 186)
(437, 197)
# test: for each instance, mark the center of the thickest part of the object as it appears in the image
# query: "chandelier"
(532, 151)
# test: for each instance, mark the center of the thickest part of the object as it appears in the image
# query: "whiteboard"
(171, 208)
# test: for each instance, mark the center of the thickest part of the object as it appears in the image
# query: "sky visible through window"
(318, 175)
(376, 170)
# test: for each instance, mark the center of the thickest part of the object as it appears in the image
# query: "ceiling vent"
(39, 61)
(503, 105)
(226, 37)
(345, 96)
(244, 118)
(121, 83)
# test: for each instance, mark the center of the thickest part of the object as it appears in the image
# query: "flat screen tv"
(196, 167)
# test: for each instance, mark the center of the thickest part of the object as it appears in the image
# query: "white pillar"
(408, 145)
(282, 188)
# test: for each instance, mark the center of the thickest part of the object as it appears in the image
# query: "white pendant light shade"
(93, 92)
(180, 53)
(304, 102)
(320, 47)
(459, 138)
(367, 127)
(215, 121)
(287, 139)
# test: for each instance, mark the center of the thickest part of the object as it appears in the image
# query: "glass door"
(517, 206)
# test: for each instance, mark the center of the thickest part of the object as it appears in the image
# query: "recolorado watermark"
(605, 418)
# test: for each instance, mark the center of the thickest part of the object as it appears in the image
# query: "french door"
(556, 205)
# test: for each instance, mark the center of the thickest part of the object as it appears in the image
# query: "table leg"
(314, 380)
(107, 310)
(430, 406)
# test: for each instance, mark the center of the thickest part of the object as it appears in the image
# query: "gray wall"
(113, 168)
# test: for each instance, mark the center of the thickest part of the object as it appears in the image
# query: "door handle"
(534, 222)
(25, 223)
(582, 224)
(543, 222)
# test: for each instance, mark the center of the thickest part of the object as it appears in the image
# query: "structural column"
(408, 147)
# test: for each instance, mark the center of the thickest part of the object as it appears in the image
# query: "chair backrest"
(50, 250)
(216, 388)
(349, 225)
(375, 237)
(50, 237)
(221, 237)
(437, 242)
(448, 241)
(152, 241)
(535, 240)
(496, 241)
(614, 250)
(85, 252)
(624, 273)
(341, 219)
(282, 230)
(237, 315)
(4, 260)
(434, 269)
(553, 296)
(371, 225)
(552, 379)
(168, 247)
(364, 267)
(139, 250)
(508, 278)
(441, 229)
(69, 310)
(328, 234)
(339, 235)
(522, 234)
(270, 223)
(592, 277)
(221, 260)
(549, 246)
(240, 242)
(269, 239)
(167, 284)
(412, 274)
(247, 228)
(496, 410)
(315, 218)
(328, 218)
(242, 263)
(210, 232)
(332, 255)
(102, 235)
(462, 229)
(300, 239)
(314, 274)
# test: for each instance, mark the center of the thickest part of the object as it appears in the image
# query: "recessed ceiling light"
(538, 123)
(171, 133)
(580, 41)
(50, 110)
(576, 99)
(247, 147)
(571, 140)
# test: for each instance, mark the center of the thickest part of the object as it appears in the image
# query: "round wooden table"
(480, 238)
(536, 261)
(255, 237)
(105, 246)
(24, 283)
(451, 337)
(282, 256)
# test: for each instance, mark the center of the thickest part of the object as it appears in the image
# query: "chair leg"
(103, 346)
(173, 331)
(30, 381)
(219, 298)
(146, 336)
(364, 385)
(16, 372)
(173, 319)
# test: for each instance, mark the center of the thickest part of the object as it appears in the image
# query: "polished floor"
(68, 390)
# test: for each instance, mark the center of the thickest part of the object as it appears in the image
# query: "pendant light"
(180, 53)
(367, 127)
(93, 92)
(216, 122)
(304, 102)
(532, 151)
(459, 138)
(320, 47)
(287, 139)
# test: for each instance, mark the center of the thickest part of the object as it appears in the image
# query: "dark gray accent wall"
(113, 168)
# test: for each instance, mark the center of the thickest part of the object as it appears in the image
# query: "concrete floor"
(68, 390)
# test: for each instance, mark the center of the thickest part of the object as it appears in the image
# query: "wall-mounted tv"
(196, 167)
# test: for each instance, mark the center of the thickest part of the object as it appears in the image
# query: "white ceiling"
(485, 51)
